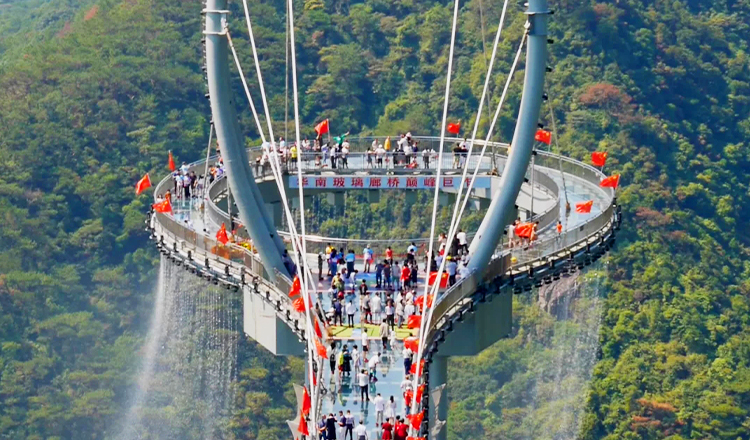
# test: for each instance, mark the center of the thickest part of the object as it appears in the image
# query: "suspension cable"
(484, 58)
(437, 189)
(454, 223)
(276, 169)
(286, 77)
(205, 173)
(300, 186)
(455, 218)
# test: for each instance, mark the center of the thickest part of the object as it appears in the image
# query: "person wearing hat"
(451, 267)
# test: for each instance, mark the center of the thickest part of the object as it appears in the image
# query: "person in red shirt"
(405, 275)
(389, 255)
(387, 428)
(400, 430)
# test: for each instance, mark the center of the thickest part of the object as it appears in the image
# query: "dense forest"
(94, 93)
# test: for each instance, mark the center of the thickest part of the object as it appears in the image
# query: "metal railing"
(543, 183)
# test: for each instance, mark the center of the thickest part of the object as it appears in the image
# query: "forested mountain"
(87, 107)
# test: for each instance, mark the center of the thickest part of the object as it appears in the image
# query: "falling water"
(185, 390)
(560, 377)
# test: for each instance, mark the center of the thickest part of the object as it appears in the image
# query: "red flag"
(443, 279)
(408, 396)
(142, 184)
(302, 428)
(524, 230)
(164, 207)
(419, 301)
(412, 343)
(299, 305)
(414, 438)
(322, 128)
(317, 329)
(454, 127)
(584, 207)
(413, 369)
(296, 286)
(171, 164)
(414, 321)
(416, 420)
(599, 158)
(543, 136)
(420, 392)
(321, 349)
(610, 182)
(306, 402)
(221, 235)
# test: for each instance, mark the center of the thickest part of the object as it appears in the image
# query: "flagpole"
(328, 123)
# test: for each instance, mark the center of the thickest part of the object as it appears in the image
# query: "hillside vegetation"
(87, 107)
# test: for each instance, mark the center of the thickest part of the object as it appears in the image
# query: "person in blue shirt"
(350, 258)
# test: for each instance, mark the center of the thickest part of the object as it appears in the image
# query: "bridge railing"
(543, 183)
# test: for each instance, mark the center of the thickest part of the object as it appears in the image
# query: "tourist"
(350, 309)
(387, 429)
(386, 273)
(342, 424)
(349, 425)
(332, 357)
(364, 384)
(379, 274)
(390, 311)
(463, 244)
(350, 258)
(366, 310)
(322, 428)
(451, 267)
(384, 334)
(376, 307)
(379, 409)
(390, 409)
(361, 431)
(331, 427)
(368, 257)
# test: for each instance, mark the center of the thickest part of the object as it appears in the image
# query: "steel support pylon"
(250, 207)
(491, 230)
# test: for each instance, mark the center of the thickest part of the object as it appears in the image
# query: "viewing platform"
(468, 317)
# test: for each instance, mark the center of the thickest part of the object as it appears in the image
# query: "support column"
(438, 376)
(239, 175)
(499, 214)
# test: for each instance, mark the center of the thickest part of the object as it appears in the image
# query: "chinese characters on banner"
(385, 182)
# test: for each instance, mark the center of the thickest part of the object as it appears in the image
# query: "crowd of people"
(335, 153)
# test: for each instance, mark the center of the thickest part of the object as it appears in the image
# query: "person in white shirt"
(372, 365)
(350, 309)
(399, 314)
(379, 156)
(406, 383)
(390, 408)
(364, 340)
(375, 306)
(384, 333)
(379, 409)
(463, 243)
(409, 310)
(363, 380)
(361, 432)
(356, 361)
